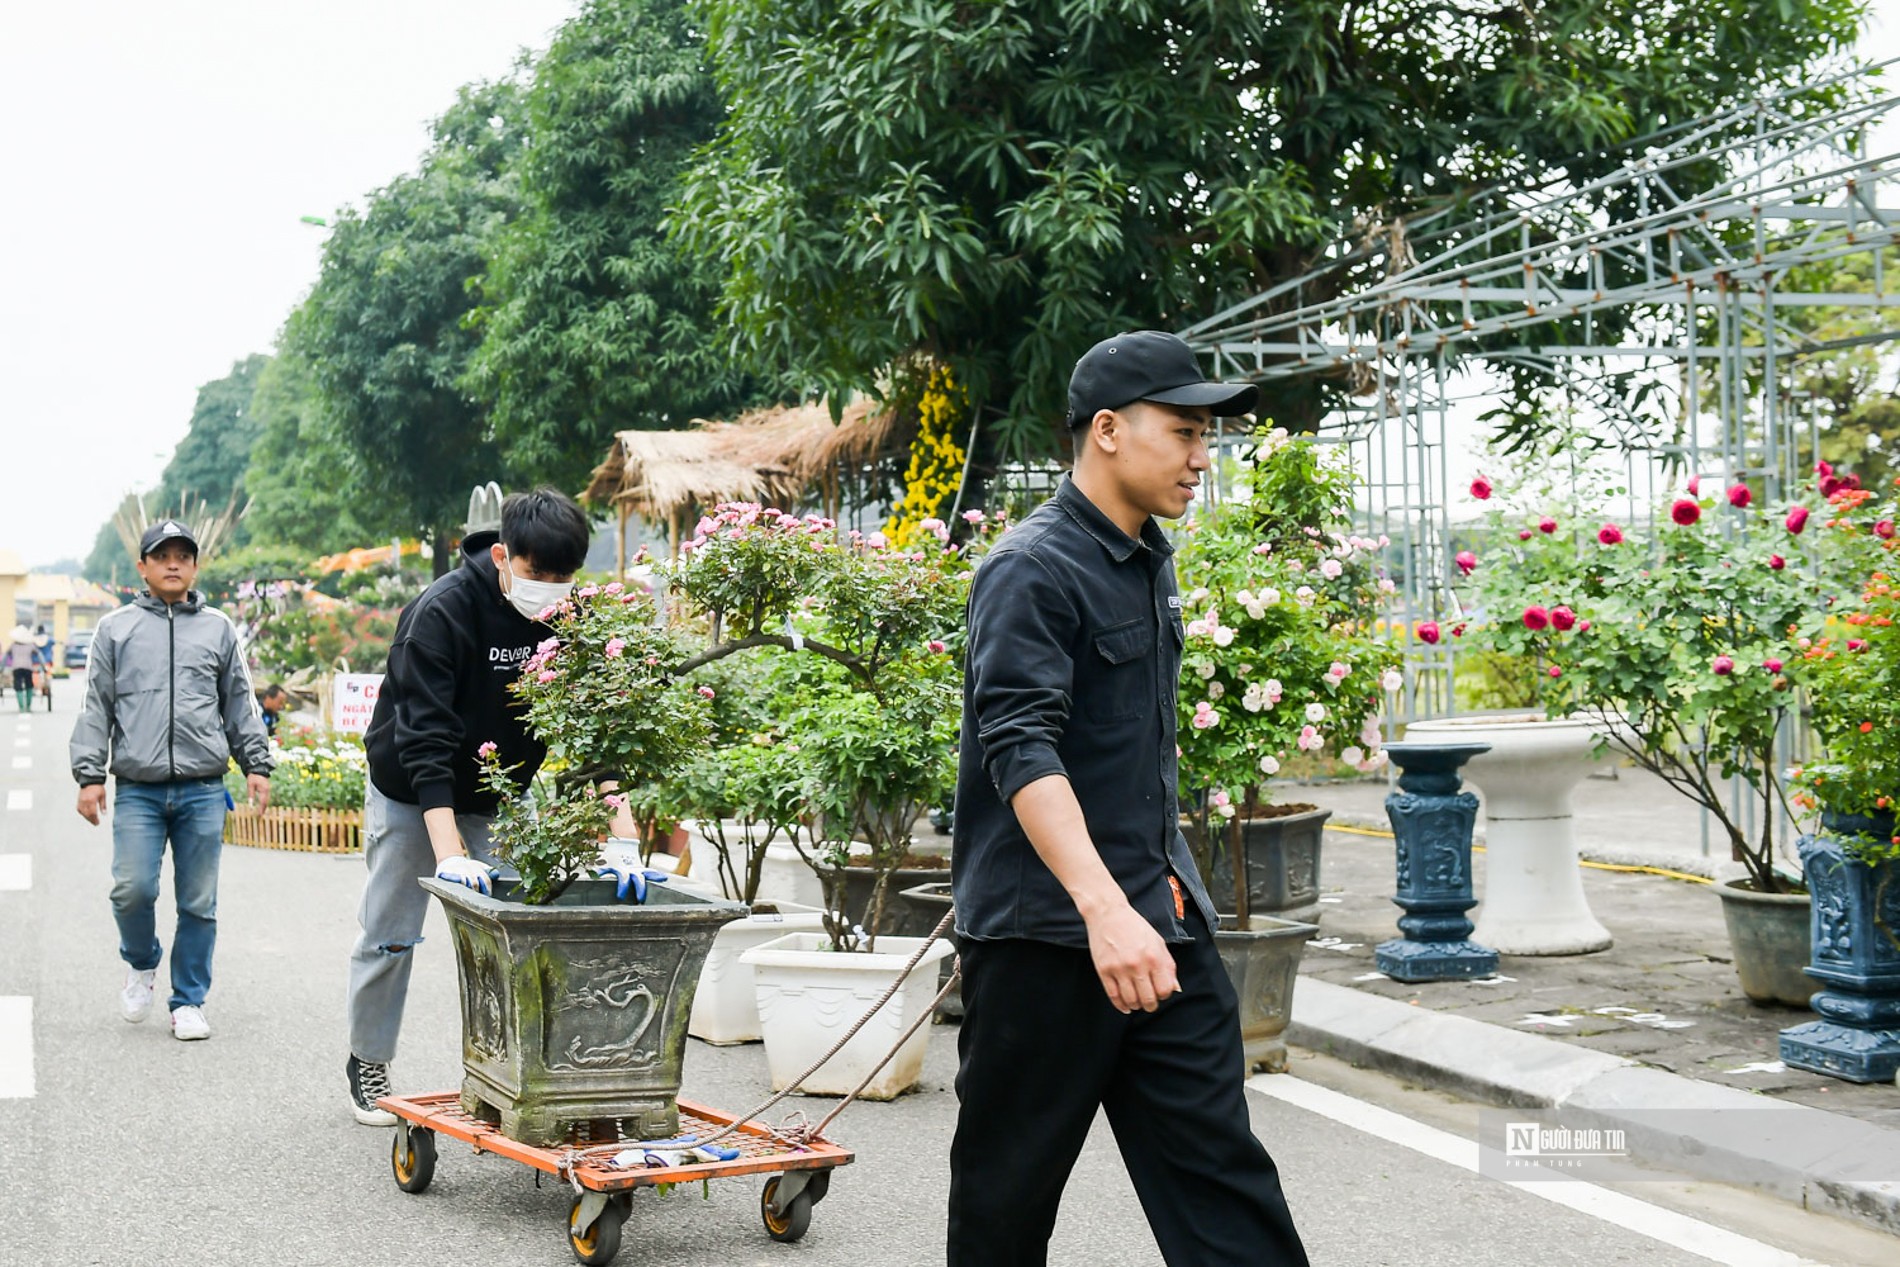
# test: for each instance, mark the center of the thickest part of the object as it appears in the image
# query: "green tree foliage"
(384, 331)
(210, 461)
(596, 321)
(298, 479)
(107, 563)
(1002, 184)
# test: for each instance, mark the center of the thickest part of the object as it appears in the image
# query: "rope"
(797, 1136)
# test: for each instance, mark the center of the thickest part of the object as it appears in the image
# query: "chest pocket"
(1119, 687)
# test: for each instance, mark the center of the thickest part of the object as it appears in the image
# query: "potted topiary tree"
(1852, 859)
(1673, 647)
(574, 1004)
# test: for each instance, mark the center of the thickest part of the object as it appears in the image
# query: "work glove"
(462, 869)
(630, 878)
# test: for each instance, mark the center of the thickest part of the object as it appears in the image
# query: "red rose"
(1481, 488)
(1884, 529)
(1685, 512)
(1832, 484)
(1524, 535)
(1583, 626)
(1546, 525)
(1536, 618)
(1776, 562)
(1797, 520)
(1428, 632)
(1458, 630)
(1739, 496)
(1822, 468)
(1856, 644)
(1466, 561)
(1772, 665)
(1562, 619)
(1610, 534)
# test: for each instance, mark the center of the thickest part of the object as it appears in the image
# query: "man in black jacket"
(457, 648)
(1084, 929)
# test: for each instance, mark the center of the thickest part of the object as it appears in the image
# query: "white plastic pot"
(809, 995)
(726, 1008)
(1533, 902)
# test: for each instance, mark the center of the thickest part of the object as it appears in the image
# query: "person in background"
(168, 706)
(271, 703)
(21, 656)
(444, 696)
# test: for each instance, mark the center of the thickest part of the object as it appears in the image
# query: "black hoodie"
(446, 693)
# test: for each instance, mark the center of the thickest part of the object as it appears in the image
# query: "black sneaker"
(368, 1083)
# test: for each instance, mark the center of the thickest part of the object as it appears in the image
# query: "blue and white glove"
(462, 869)
(630, 878)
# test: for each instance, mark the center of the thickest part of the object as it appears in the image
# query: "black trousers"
(1041, 1048)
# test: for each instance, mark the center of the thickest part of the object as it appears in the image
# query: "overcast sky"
(157, 160)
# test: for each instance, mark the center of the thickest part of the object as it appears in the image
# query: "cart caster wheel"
(790, 1225)
(412, 1158)
(819, 1185)
(601, 1241)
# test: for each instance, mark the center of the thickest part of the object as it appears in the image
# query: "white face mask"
(531, 598)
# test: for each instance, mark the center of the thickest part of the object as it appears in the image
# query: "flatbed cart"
(801, 1173)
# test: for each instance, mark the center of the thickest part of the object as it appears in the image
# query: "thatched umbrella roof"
(767, 454)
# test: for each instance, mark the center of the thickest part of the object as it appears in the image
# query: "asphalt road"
(119, 1145)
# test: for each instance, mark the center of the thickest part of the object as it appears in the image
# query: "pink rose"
(1536, 618)
(1428, 632)
(1695, 486)
(1467, 562)
(1481, 488)
(615, 646)
(1797, 520)
(706, 692)
(1546, 525)
(936, 647)
(1562, 619)
(545, 675)
(1524, 534)
(487, 750)
(1722, 665)
(1555, 671)
(1856, 644)
(1610, 534)
(1772, 665)
(1884, 530)
(1739, 496)
(1583, 626)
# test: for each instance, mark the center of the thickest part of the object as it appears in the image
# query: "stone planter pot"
(1768, 935)
(1262, 962)
(576, 1012)
(935, 901)
(726, 1006)
(1855, 927)
(809, 995)
(1533, 902)
(1283, 855)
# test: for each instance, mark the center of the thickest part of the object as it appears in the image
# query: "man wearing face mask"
(457, 649)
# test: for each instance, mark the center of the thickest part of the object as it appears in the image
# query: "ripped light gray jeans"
(397, 852)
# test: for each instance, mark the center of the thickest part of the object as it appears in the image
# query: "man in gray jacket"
(168, 704)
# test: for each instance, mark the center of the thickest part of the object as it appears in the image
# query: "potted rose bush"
(1676, 645)
(1282, 656)
(1851, 857)
(574, 1003)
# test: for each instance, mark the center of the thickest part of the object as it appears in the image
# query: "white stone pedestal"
(1533, 901)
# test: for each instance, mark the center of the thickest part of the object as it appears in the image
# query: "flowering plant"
(311, 772)
(1679, 639)
(551, 839)
(1852, 662)
(1283, 652)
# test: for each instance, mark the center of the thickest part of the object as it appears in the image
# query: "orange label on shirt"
(1180, 907)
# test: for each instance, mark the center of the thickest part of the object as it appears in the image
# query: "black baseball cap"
(1149, 365)
(166, 530)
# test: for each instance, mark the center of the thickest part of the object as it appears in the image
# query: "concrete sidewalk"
(1653, 1035)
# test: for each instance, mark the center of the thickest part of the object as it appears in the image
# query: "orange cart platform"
(801, 1173)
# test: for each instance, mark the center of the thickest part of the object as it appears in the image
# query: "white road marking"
(16, 872)
(23, 763)
(19, 798)
(1679, 1231)
(16, 1047)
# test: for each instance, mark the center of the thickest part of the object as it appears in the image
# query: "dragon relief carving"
(616, 985)
(482, 1003)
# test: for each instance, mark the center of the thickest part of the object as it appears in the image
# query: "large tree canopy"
(596, 321)
(1001, 184)
(299, 481)
(384, 330)
(211, 460)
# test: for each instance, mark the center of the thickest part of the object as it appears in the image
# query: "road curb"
(1819, 1160)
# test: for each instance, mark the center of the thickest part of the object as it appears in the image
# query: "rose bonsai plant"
(1676, 644)
(1282, 656)
(1852, 859)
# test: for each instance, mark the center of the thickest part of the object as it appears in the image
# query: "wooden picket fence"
(301, 830)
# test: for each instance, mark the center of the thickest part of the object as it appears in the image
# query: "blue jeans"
(190, 813)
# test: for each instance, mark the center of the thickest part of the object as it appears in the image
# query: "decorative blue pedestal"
(1856, 927)
(1432, 820)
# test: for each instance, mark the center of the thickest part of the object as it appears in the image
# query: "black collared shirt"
(1074, 654)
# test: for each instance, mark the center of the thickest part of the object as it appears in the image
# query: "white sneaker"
(189, 1024)
(135, 1001)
